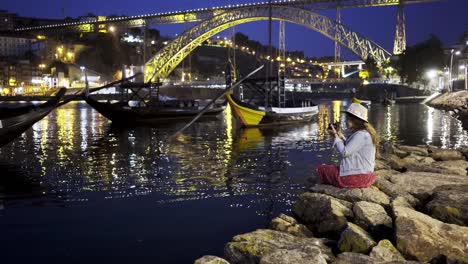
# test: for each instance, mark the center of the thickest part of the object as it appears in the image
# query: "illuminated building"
(15, 46)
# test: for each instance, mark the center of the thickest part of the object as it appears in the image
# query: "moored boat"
(122, 113)
(13, 122)
(252, 115)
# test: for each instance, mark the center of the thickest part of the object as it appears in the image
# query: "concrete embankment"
(456, 102)
(416, 212)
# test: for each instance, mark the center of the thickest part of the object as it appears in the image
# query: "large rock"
(424, 238)
(303, 255)
(251, 247)
(371, 194)
(421, 151)
(289, 225)
(355, 239)
(385, 173)
(381, 165)
(402, 164)
(445, 154)
(385, 251)
(210, 260)
(458, 167)
(418, 184)
(356, 258)
(371, 216)
(322, 213)
(450, 204)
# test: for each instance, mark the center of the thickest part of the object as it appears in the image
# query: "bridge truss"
(200, 14)
(167, 59)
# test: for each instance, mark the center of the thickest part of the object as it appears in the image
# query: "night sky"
(446, 19)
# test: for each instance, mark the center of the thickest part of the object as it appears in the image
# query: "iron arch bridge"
(167, 59)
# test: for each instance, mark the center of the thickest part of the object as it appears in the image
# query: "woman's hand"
(337, 134)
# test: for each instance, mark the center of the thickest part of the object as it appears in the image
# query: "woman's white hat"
(358, 111)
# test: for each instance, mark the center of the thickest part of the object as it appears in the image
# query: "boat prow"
(14, 122)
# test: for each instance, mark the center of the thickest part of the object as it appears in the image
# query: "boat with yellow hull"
(252, 116)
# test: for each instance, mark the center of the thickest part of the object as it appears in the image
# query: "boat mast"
(270, 55)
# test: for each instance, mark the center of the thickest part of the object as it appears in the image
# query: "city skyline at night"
(376, 23)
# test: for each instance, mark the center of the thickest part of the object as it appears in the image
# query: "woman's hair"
(359, 124)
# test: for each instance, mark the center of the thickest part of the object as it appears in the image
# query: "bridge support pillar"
(400, 35)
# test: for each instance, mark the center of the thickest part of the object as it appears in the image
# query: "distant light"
(431, 74)
(112, 29)
(153, 42)
(457, 52)
(462, 67)
(82, 67)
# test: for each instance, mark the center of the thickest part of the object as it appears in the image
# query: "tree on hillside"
(418, 59)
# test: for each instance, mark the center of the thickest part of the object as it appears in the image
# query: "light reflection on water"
(77, 151)
(79, 159)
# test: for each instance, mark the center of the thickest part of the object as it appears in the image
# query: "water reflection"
(76, 153)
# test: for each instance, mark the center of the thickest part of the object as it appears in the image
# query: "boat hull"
(125, 115)
(254, 117)
(13, 126)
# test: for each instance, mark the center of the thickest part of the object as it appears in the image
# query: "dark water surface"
(77, 190)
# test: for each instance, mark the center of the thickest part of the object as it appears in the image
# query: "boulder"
(418, 184)
(464, 152)
(356, 258)
(322, 213)
(355, 239)
(406, 201)
(381, 165)
(385, 251)
(396, 163)
(402, 164)
(252, 247)
(371, 216)
(445, 154)
(450, 204)
(289, 225)
(400, 153)
(210, 260)
(305, 255)
(424, 238)
(385, 173)
(458, 167)
(421, 151)
(371, 194)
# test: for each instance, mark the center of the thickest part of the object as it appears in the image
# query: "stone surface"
(385, 251)
(210, 260)
(421, 151)
(289, 225)
(371, 194)
(381, 165)
(371, 216)
(385, 173)
(450, 204)
(445, 154)
(322, 213)
(458, 167)
(303, 255)
(251, 247)
(418, 184)
(355, 239)
(424, 238)
(356, 258)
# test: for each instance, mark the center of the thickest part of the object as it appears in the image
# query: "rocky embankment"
(456, 103)
(416, 212)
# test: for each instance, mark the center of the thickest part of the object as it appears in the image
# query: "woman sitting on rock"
(357, 153)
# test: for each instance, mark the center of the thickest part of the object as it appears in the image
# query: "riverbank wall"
(415, 212)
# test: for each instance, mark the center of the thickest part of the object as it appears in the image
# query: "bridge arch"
(167, 59)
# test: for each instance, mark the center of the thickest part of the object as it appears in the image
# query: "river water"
(76, 189)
